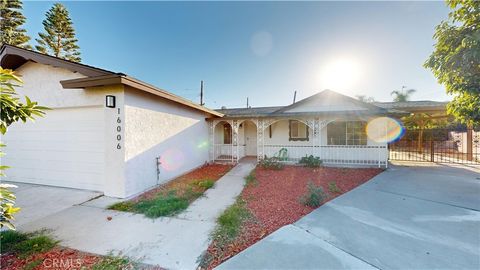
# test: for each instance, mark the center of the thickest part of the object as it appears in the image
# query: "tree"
(402, 95)
(59, 37)
(10, 24)
(455, 61)
(364, 98)
(11, 111)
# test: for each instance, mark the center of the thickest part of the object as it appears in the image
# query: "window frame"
(290, 137)
(354, 134)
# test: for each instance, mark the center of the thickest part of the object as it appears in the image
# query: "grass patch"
(231, 220)
(251, 179)
(111, 262)
(229, 226)
(9, 239)
(166, 203)
(126, 206)
(26, 244)
(205, 184)
(33, 264)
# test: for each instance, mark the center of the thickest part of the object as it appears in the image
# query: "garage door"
(65, 148)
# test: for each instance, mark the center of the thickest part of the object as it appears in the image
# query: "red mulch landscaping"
(274, 201)
(58, 258)
(206, 172)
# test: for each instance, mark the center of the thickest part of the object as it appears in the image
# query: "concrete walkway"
(408, 217)
(171, 242)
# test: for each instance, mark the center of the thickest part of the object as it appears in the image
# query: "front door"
(250, 139)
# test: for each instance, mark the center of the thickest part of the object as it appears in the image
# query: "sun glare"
(341, 74)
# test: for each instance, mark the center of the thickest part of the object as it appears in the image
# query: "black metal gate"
(438, 145)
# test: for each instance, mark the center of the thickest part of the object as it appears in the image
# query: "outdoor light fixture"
(110, 101)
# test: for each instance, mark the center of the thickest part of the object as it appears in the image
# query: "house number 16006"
(119, 128)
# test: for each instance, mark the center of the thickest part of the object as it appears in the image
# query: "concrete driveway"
(408, 217)
(38, 201)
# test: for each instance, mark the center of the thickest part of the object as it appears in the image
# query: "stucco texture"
(155, 127)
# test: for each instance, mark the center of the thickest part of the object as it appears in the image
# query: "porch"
(336, 141)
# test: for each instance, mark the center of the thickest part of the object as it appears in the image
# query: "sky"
(261, 50)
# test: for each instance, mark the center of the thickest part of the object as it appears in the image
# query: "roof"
(249, 112)
(119, 78)
(12, 57)
(423, 106)
(321, 103)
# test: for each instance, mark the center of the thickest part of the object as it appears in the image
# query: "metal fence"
(438, 145)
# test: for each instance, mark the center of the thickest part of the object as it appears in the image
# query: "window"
(347, 133)
(227, 134)
(298, 131)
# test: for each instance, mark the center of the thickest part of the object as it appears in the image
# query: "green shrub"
(314, 196)
(7, 200)
(311, 161)
(271, 163)
(251, 179)
(332, 186)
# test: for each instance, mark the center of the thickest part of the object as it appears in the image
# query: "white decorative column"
(234, 124)
(321, 125)
(211, 140)
(316, 137)
(260, 139)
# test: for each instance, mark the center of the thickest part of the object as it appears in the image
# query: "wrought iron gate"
(438, 145)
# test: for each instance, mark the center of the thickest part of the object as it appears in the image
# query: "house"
(147, 136)
(112, 133)
(328, 125)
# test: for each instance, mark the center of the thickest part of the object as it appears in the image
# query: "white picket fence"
(331, 154)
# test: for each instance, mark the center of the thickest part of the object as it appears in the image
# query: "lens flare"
(384, 130)
(203, 144)
(172, 159)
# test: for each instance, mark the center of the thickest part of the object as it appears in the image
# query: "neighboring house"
(83, 144)
(328, 125)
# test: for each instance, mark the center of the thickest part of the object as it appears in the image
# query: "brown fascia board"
(134, 83)
(12, 57)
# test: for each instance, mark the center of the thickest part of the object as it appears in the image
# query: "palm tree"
(402, 95)
(364, 98)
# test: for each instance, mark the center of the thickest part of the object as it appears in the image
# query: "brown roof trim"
(137, 84)
(12, 57)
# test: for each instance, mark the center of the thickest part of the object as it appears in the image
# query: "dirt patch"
(273, 201)
(207, 172)
(57, 258)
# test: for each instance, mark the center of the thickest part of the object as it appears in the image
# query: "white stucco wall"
(42, 84)
(155, 127)
(68, 146)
